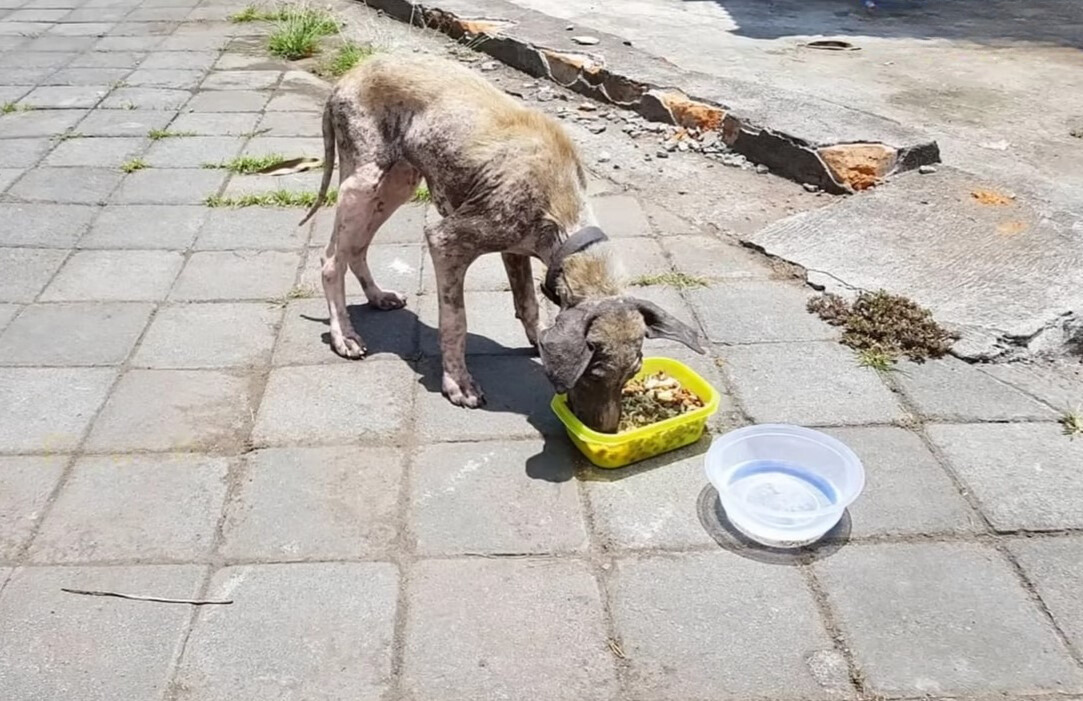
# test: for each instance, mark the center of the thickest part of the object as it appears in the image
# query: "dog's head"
(596, 346)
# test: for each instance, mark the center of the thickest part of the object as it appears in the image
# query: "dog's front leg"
(450, 264)
(521, 280)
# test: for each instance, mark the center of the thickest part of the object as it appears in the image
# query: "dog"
(506, 179)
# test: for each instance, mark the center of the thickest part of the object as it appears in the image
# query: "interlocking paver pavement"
(173, 422)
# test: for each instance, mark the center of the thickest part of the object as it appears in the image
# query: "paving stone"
(621, 216)
(307, 124)
(192, 151)
(115, 276)
(101, 153)
(1058, 384)
(306, 340)
(65, 96)
(61, 44)
(25, 271)
(907, 492)
(1055, 566)
(44, 59)
(668, 613)
(64, 401)
(252, 228)
(75, 185)
(492, 328)
(240, 80)
(164, 78)
(7, 313)
(808, 384)
(8, 176)
(261, 184)
(192, 410)
(79, 29)
(470, 497)
(517, 396)
(86, 76)
(145, 226)
(284, 146)
(131, 507)
(190, 60)
(128, 43)
(145, 99)
(122, 122)
(331, 624)
(24, 28)
(233, 61)
(193, 43)
(83, 333)
(406, 225)
(1025, 476)
(951, 390)
(217, 123)
(143, 29)
(652, 505)
(35, 15)
(169, 186)
(157, 14)
(916, 627)
(52, 642)
(23, 77)
(716, 259)
(54, 225)
(293, 102)
(472, 632)
(38, 123)
(213, 275)
(757, 312)
(227, 335)
(369, 401)
(339, 502)
(101, 14)
(107, 59)
(228, 101)
(25, 485)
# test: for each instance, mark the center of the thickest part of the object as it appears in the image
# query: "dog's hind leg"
(396, 186)
(521, 280)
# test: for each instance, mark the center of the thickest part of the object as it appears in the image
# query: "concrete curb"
(838, 149)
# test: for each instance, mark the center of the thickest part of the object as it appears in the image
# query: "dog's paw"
(465, 393)
(388, 300)
(349, 346)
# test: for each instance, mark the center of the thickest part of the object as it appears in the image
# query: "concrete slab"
(668, 613)
(222, 275)
(64, 401)
(471, 632)
(94, 334)
(315, 503)
(951, 390)
(45, 225)
(469, 498)
(305, 630)
(229, 335)
(26, 483)
(131, 507)
(1008, 276)
(1055, 566)
(52, 641)
(25, 271)
(115, 276)
(916, 627)
(1024, 476)
(145, 226)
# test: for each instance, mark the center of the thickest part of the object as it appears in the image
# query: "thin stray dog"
(505, 179)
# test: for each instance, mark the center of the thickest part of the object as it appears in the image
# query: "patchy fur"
(505, 179)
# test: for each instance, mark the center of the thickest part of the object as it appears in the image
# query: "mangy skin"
(505, 179)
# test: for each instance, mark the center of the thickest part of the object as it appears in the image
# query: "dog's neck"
(580, 267)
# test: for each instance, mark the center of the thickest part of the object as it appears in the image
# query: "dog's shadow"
(512, 378)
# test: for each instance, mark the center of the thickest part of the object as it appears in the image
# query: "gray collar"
(576, 243)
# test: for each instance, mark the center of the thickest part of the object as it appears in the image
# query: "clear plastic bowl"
(783, 486)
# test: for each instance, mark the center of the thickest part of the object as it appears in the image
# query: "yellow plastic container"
(621, 449)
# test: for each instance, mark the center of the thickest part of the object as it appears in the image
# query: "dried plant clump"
(882, 325)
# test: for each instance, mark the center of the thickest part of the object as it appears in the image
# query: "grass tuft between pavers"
(275, 198)
(247, 165)
(298, 29)
(882, 327)
(345, 58)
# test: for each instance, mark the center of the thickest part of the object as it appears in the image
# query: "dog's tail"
(328, 160)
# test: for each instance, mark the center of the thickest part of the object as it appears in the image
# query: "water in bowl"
(781, 486)
(791, 492)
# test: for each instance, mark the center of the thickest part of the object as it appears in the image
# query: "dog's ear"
(563, 347)
(662, 324)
